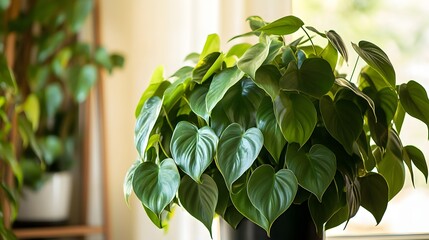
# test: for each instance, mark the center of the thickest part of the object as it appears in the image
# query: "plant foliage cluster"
(248, 132)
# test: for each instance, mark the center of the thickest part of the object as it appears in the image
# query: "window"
(401, 29)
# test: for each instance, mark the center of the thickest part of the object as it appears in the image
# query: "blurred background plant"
(55, 71)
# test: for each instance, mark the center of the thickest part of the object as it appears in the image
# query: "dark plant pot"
(294, 224)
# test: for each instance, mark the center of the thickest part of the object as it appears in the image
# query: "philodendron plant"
(248, 132)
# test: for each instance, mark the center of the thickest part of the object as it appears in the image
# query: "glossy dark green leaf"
(353, 195)
(415, 101)
(128, 181)
(338, 218)
(253, 58)
(242, 203)
(374, 194)
(199, 199)
(207, 67)
(314, 77)
(220, 84)
(156, 87)
(237, 150)
(338, 43)
(388, 101)
(349, 85)
(314, 169)
(272, 192)
(266, 121)
(193, 149)
(267, 77)
(296, 116)
(343, 120)
(283, 26)
(377, 59)
(145, 123)
(322, 211)
(233, 217)
(197, 101)
(411, 154)
(156, 185)
(211, 45)
(241, 102)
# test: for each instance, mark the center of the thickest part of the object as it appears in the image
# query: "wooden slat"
(54, 232)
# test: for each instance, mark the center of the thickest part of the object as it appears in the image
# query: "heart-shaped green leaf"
(344, 83)
(199, 199)
(145, 123)
(193, 149)
(314, 169)
(377, 59)
(128, 182)
(283, 26)
(220, 85)
(253, 58)
(411, 154)
(267, 77)
(197, 101)
(374, 194)
(314, 77)
(343, 120)
(266, 121)
(242, 203)
(237, 150)
(272, 192)
(156, 185)
(296, 115)
(338, 43)
(207, 67)
(415, 101)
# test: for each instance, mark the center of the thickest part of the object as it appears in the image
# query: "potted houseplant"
(55, 71)
(273, 129)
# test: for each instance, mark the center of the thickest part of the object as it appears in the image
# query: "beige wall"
(150, 33)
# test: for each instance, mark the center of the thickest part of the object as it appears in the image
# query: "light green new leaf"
(267, 77)
(237, 150)
(338, 43)
(283, 26)
(193, 149)
(145, 123)
(128, 181)
(220, 84)
(330, 54)
(211, 45)
(411, 154)
(238, 50)
(272, 192)
(199, 199)
(377, 59)
(253, 58)
(157, 86)
(314, 77)
(314, 170)
(266, 121)
(207, 67)
(197, 101)
(374, 194)
(242, 203)
(296, 116)
(156, 185)
(343, 120)
(174, 92)
(414, 100)
(32, 110)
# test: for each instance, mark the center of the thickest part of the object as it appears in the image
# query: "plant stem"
(163, 150)
(168, 120)
(354, 68)
(309, 38)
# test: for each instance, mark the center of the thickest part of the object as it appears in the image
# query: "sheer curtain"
(150, 33)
